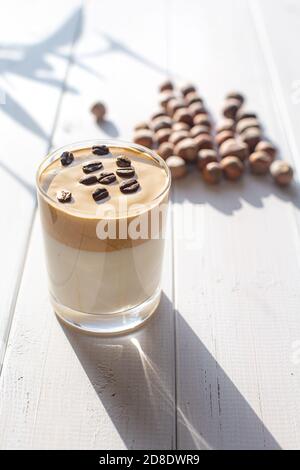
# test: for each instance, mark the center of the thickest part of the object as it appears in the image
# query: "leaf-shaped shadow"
(16, 111)
(31, 62)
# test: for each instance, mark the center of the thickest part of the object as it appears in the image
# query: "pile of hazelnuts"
(182, 132)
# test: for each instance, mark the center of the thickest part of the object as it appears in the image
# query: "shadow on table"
(229, 197)
(134, 378)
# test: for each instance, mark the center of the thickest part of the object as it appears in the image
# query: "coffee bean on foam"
(128, 187)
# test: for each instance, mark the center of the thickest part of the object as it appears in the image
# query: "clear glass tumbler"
(105, 267)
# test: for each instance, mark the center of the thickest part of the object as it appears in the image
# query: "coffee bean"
(100, 150)
(91, 167)
(100, 193)
(99, 110)
(162, 135)
(196, 108)
(231, 107)
(174, 104)
(234, 148)
(245, 115)
(206, 156)
(186, 149)
(165, 97)
(202, 119)
(245, 124)
(183, 115)
(177, 166)
(226, 125)
(198, 130)
(266, 147)
(187, 88)
(212, 173)
(125, 172)
(203, 141)
(259, 163)
(64, 196)
(180, 126)
(165, 150)
(167, 85)
(235, 95)
(123, 162)
(221, 137)
(252, 137)
(193, 97)
(156, 115)
(89, 180)
(107, 177)
(282, 172)
(143, 137)
(66, 158)
(232, 168)
(161, 123)
(130, 186)
(177, 136)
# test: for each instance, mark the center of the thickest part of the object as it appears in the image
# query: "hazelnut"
(180, 126)
(221, 137)
(177, 166)
(212, 173)
(187, 88)
(245, 124)
(196, 108)
(245, 115)
(282, 172)
(98, 110)
(251, 137)
(226, 125)
(159, 114)
(259, 163)
(167, 85)
(165, 150)
(161, 123)
(186, 149)
(192, 98)
(141, 125)
(162, 135)
(174, 104)
(266, 147)
(165, 97)
(177, 136)
(206, 156)
(144, 137)
(182, 115)
(234, 148)
(204, 141)
(202, 120)
(198, 130)
(230, 108)
(232, 168)
(235, 95)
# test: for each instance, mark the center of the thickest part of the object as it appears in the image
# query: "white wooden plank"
(60, 389)
(236, 280)
(33, 61)
(64, 390)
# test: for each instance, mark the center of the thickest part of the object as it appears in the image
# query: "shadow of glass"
(229, 197)
(134, 377)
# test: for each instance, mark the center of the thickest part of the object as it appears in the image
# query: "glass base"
(109, 324)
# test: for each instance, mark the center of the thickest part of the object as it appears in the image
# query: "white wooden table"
(218, 366)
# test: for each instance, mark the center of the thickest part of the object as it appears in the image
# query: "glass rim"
(55, 154)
